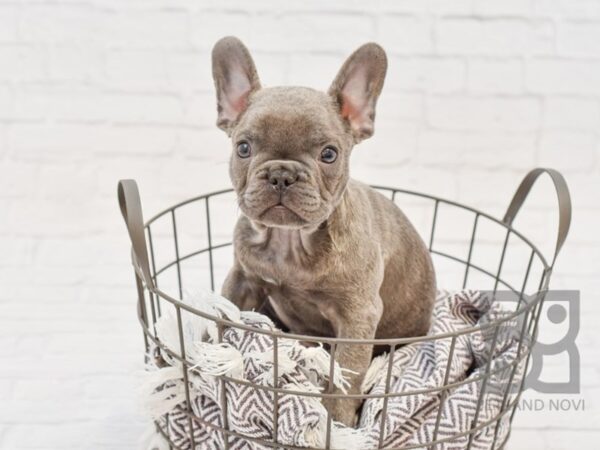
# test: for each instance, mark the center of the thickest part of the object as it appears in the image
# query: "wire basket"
(189, 245)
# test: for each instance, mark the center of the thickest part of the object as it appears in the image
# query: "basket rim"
(279, 334)
(524, 308)
(434, 198)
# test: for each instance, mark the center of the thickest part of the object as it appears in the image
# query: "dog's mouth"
(297, 206)
(281, 215)
(279, 207)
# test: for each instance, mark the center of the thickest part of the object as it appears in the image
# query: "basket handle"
(564, 203)
(131, 209)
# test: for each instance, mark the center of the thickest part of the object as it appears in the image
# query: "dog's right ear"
(235, 79)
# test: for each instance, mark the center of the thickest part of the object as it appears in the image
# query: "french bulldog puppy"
(321, 253)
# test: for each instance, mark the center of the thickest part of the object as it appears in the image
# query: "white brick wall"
(93, 91)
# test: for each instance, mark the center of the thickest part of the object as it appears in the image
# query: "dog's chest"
(281, 258)
(299, 309)
(288, 272)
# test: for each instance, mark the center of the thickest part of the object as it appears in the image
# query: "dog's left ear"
(357, 87)
(235, 79)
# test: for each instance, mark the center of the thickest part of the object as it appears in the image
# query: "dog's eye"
(328, 155)
(243, 149)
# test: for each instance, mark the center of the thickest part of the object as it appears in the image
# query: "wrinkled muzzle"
(283, 193)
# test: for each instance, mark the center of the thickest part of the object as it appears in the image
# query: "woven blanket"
(302, 421)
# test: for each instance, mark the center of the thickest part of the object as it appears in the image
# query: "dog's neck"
(292, 242)
(302, 242)
(289, 242)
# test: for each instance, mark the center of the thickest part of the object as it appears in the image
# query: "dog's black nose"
(282, 178)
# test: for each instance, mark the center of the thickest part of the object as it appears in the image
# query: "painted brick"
(492, 8)
(495, 76)
(10, 23)
(51, 24)
(427, 6)
(571, 113)
(272, 68)
(206, 27)
(149, 29)
(400, 106)
(143, 108)
(563, 76)
(60, 103)
(405, 34)
(189, 71)
(484, 113)
(75, 64)
(567, 9)
(22, 63)
(488, 151)
(500, 37)
(316, 71)
(17, 180)
(569, 150)
(136, 69)
(397, 139)
(306, 32)
(138, 139)
(442, 75)
(6, 103)
(477, 93)
(201, 110)
(210, 145)
(16, 251)
(579, 39)
(42, 142)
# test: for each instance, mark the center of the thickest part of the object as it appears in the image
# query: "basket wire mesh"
(165, 230)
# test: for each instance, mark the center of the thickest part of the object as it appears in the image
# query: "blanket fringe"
(342, 437)
(319, 359)
(285, 366)
(374, 372)
(305, 369)
(196, 328)
(153, 440)
(161, 390)
(219, 359)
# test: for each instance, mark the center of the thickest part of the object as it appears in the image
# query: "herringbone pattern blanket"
(410, 419)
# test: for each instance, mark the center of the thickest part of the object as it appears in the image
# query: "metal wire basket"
(189, 245)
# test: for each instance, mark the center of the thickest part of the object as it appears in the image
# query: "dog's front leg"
(357, 320)
(243, 292)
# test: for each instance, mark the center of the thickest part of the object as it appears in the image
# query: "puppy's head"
(291, 145)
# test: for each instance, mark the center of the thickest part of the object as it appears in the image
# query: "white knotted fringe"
(342, 437)
(215, 305)
(285, 364)
(161, 390)
(195, 328)
(151, 440)
(374, 372)
(303, 419)
(255, 317)
(219, 359)
(317, 358)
